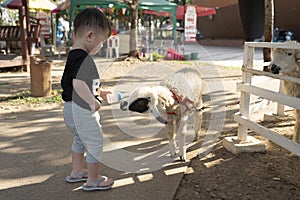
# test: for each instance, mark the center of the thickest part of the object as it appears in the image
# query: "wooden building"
(237, 21)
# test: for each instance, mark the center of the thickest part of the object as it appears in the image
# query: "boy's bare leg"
(77, 162)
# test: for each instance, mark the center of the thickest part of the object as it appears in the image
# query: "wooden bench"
(20, 64)
(9, 34)
(12, 33)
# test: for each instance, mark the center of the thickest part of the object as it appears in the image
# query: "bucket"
(194, 56)
(187, 56)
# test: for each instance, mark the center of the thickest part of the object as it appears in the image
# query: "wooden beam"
(281, 45)
(269, 74)
(268, 27)
(25, 3)
(271, 135)
(270, 95)
(23, 33)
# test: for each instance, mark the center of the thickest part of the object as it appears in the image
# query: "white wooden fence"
(247, 89)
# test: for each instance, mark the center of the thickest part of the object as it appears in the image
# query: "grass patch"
(26, 98)
(226, 67)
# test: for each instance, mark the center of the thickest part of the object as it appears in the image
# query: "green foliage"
(9, 16)
(156, 56)
(26, 98)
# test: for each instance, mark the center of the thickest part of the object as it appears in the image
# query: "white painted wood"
(270, 95)
(272, 45)
(245, 97)
(271, 135)
(247, 89)
(280, 107)
(268, 74)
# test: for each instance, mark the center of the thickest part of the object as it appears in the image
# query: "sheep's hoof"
(181, 158)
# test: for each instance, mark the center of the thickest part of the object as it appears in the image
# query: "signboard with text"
(190, 24)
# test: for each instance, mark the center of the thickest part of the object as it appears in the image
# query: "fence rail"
(242, 118)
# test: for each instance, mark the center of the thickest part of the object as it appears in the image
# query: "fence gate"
(242, 117)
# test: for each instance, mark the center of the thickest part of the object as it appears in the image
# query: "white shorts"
(86, 127)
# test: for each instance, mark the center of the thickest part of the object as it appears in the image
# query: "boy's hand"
(96, 106)
(103, 94)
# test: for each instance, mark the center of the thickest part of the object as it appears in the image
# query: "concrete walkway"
(34, 143)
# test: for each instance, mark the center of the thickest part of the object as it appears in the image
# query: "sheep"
(286, 62)
(173, 102)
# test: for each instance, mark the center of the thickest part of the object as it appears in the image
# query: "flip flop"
(75, 177)
(96, 186)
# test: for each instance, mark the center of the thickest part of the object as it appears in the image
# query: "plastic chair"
(113, 46)
(172, 54)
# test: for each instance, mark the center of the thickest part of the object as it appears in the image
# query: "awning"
(201, 11)
(33, 4)
(62, 7)
(158, 13)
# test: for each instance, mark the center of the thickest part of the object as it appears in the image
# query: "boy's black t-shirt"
(80, 65)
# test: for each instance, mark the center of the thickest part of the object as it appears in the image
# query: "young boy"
(80, 83)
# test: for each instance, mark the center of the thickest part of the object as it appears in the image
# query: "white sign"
(190, 24)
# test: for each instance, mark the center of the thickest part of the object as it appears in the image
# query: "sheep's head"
(146, 98)
(285, 61)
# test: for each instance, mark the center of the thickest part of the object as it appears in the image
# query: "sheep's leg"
(296, 136)
(171, 134)
(197, 125)
(181, 144)
(181, 135)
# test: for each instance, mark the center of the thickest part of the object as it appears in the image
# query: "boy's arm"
(84, 92)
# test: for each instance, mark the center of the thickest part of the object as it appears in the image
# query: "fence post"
(280, 107)
(245, 97)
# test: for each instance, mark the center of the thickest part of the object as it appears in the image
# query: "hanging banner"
(190, 24)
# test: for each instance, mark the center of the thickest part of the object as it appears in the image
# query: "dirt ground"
(220, 174)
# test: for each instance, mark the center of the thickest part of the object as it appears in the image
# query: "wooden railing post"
(245, 97)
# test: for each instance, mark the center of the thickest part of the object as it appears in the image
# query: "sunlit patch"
(214, 162)
(76, 189)
(174, 171)
(17, 182)
(123, 182)
(190, 170)
(145, 177)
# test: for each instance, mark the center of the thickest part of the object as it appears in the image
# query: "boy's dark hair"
(92, 18)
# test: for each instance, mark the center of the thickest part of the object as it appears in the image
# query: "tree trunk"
(133, 8)
(268, 27)
(24, 28)
(133, 52)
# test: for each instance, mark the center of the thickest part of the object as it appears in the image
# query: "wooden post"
(268, 27)
(40, 76)
(280, 107)
(27, 19)
(23, 32)
(245, 97)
